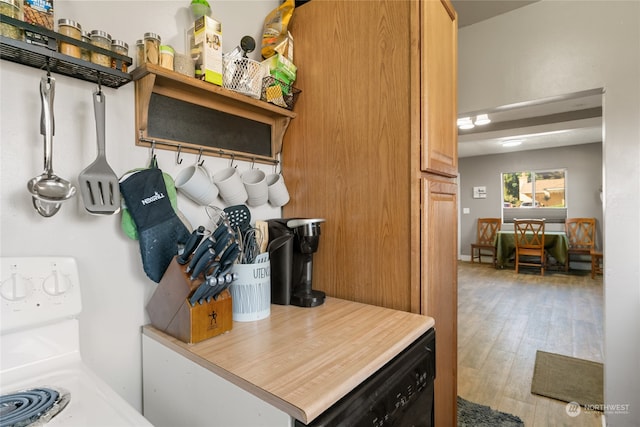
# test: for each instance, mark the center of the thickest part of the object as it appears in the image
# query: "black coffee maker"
(292, 243)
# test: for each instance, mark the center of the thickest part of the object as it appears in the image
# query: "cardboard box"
(39, 12)
(206, 48)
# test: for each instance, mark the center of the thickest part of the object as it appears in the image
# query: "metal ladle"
(48, 190)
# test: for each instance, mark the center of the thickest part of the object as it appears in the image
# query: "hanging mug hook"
(199, 161)
(152, 162)
(99, 84)
(178, 159)
(277, 162)
(233, 157)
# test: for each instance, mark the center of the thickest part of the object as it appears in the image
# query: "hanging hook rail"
(218, 152)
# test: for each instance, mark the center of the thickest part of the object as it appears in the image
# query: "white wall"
(582, 192)
(115, 288)
(552, 48)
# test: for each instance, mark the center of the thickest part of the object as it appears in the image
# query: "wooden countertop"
(303, 360)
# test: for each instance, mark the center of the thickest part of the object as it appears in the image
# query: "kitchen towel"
(159, 228)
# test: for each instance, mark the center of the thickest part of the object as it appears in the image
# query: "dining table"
(556, 244)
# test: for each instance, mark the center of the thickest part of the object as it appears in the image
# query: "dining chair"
(529, 240)
(485, 239)
(581, 236)
(596, 263)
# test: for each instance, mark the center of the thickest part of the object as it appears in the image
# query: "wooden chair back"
(529, 240)
(487, 229)
(581, 237)
(581, 234)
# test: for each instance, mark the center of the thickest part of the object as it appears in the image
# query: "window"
(534, 194)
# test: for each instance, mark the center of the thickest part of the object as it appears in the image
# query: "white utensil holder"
(251, 292)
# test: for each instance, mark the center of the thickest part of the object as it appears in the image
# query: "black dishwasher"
(399, 394)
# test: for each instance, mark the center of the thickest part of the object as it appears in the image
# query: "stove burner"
(25, 407)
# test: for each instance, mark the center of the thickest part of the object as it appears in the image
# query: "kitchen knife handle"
(190, 246)
(202, 264)
(200, 251)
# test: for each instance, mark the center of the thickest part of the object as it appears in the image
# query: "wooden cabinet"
(439, 296)
(373, 150)
(438, 70)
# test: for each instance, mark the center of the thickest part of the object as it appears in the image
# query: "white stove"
(42, 376)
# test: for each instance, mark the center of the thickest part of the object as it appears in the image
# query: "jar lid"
(100, 33)
(120, 43)
(166, 49)
(14, 3)
(152, 36)
(139, 42)
(69, 23)
(85, 34)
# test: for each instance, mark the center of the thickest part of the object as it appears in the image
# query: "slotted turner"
(98, 182)
(239, 217)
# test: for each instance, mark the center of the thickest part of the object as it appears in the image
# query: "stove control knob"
(14, 288)
(56, 284)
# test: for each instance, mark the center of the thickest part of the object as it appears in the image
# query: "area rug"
(568, 379)
(475, 415)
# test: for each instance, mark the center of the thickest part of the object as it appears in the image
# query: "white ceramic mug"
(230, 185)
(255, 182)
(277, 189)
(195, 182)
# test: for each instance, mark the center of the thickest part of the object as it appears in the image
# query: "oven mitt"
(159, 228)
(127, 223)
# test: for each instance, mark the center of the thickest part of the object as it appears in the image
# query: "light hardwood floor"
(503, 318)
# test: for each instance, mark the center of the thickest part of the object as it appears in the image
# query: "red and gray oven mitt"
(159, 228)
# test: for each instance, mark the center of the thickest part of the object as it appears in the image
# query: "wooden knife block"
(170, 311)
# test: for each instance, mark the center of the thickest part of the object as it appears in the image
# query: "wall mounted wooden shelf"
(175, 111)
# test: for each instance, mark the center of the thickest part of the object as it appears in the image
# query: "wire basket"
(279, 93)
(243, 75)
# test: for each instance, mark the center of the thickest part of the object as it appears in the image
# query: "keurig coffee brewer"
(292, 245)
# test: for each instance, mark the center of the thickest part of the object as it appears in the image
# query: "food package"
(39, 12)
(286, 48)
(281, 68)
(206, 48)
(275, 36)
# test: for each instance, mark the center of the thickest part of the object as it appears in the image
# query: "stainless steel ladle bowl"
(48, 190)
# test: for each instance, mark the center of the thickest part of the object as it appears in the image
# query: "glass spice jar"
(139, 53)
(101, 39)
(72, 29)
(166, 56)
(12, 9)
(151, 48)
(85, 53)
(183, 64)
(121, 48)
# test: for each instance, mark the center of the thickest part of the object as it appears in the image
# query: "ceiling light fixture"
(512, 143)
(482, 119)
(465, 123)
